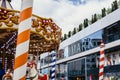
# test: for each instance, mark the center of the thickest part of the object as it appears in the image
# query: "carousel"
(45, 35)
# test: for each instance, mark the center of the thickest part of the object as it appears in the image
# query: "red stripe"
(102, 52)
(102, 59)
(101, 74)
(101, 66)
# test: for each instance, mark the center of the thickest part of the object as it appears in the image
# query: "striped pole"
(101, 65)
(53, 67)
(90, 76)
(23, 40)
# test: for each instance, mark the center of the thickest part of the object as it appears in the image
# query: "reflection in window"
(108, 34)
(86, 43)
(112, 32)
(76, 67)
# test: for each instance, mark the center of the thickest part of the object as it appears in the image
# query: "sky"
(67, 14)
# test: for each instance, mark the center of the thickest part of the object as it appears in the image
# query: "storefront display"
(112, 58)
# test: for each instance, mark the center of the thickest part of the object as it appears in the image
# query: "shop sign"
(83, 45)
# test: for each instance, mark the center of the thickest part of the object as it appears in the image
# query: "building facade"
(78, 57)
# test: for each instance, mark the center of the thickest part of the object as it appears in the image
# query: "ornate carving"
(35, 23)
(14, 19)
(0, 24)
(45, 27)
(8, 17)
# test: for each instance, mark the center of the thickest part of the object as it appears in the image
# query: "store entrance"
(77, 78)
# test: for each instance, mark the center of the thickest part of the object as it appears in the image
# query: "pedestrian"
(2, 71)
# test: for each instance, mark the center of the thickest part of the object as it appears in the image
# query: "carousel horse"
(32, 72)
(8, 75)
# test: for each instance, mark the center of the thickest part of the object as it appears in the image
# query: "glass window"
(108, 34)
(86, 43)
(76, 67)
(112, 32)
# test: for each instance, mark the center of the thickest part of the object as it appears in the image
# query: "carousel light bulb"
(39, 22)
(49, 20)
(10, 21)
(10, 15)
(17, 14)
(44, 42)
(5, 11)
(38, 27)
(43, 20)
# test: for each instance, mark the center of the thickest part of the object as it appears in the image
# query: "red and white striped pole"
(23, 40)
(90, 76)
(101, 63)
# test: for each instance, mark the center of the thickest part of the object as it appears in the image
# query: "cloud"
(64, 13)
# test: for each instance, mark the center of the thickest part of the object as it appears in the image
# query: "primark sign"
(83, 45)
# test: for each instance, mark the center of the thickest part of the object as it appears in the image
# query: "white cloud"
(66, 15)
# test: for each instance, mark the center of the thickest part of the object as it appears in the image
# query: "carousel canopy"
(45, 34)
(6, 4)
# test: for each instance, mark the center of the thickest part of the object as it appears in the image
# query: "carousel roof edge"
(45, 28)
(19, 12)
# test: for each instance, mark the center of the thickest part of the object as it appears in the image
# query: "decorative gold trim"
(44, 27)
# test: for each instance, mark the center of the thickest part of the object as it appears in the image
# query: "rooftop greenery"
(105, 11)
